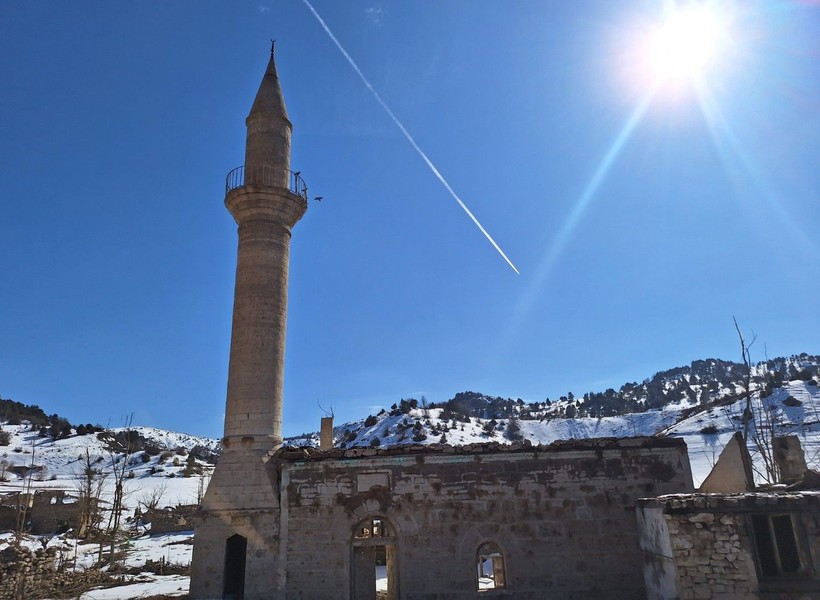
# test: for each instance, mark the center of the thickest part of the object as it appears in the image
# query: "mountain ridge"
(702, 402)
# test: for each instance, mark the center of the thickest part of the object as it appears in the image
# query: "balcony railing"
(266, 175)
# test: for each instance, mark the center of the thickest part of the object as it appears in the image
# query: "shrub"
(513, 432)
(489, 427)
(792, 401)
(5, 438)
(709, 429)
(370, 421)
(375, 442)
(419, 436)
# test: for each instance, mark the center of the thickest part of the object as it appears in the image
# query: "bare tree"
(759, 419)
(89, 482)
(745, 356)
(119, 467)
(25, 500)
(201, 487)
(151, 499)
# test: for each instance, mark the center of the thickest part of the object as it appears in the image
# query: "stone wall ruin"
(559, 518)
(755, 545)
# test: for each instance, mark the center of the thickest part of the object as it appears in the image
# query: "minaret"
(266, 199)
(235, 544)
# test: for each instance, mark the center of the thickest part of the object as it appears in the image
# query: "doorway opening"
(375, 569)
(234, 587)
(490, 567)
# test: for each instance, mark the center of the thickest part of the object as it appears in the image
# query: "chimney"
(326, 434)
(788, 454)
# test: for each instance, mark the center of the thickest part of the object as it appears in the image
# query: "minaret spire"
(267, 148)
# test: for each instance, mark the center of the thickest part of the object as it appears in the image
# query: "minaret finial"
(272, 47)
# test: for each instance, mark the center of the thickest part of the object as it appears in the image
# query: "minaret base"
(239, 526)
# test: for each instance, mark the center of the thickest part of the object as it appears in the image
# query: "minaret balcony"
(268, 176)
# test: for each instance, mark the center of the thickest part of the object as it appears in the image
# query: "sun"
(687, 44)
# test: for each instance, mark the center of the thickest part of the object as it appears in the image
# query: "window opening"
(776, 545)
(235, 549)
(375, 573)
(490, 566)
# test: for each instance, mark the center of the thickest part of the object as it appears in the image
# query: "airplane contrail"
(407, 135)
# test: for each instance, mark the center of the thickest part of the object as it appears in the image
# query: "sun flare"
(687, 44)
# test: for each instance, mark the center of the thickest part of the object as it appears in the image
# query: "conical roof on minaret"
(269, 98)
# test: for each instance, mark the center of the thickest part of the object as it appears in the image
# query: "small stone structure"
(171, 518)
(755, 545)
(47, 511)
(789, 457)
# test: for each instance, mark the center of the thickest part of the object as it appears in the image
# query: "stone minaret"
(266, 206)
(235, 543)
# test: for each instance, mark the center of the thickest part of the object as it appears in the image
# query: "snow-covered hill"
(705, 429)
(158, 459)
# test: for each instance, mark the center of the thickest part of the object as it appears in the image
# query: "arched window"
(490, 567)
(375, 572)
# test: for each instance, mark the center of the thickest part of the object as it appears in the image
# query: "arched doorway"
(374, 567)
(490, 567)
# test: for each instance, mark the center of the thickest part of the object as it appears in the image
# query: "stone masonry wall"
(26, 574)
(563, 515)
(711, 547)
(171, 519)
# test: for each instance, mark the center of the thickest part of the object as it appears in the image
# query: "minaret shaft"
(257, 359)
(255, 379)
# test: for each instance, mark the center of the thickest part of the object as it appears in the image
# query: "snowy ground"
(58, 464)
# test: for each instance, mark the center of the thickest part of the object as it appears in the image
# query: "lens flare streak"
(594, 183)
(520, 314)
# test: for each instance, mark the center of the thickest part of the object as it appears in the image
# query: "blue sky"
(638, 233)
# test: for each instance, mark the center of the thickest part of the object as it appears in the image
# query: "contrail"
(407, 135)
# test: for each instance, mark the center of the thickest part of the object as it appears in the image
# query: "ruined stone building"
(434, 522)
(758, 545)
(40, 512)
